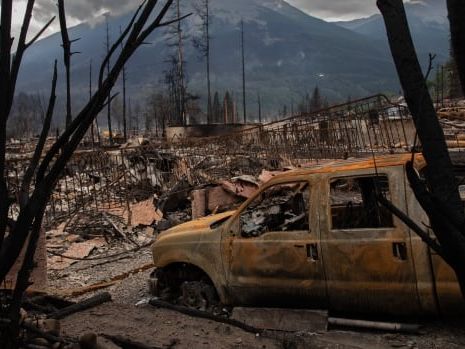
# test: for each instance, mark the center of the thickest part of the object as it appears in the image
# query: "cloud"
(87, 10)
(337, 10)
(81, 10)
(76, 12)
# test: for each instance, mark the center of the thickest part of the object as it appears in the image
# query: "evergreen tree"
(454, 89)
(316, 102)
(217, 112)
(228, 108)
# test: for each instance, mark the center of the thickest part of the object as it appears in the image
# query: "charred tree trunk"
(92, 127)
(456, 10)
(46, 170)
(66, 43)
(440, 198)
(110, 130)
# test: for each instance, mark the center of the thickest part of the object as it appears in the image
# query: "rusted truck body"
(318, 238)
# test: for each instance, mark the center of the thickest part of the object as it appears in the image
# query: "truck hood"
(198, 224)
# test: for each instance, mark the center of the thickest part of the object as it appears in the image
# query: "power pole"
(207, 28)
(125, 129)
(244, 103)
(438, 82)
(234, 111)
(110, 132)
(130, 123)
(97, 128)
(92, 131)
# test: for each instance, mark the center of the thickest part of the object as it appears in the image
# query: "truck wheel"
(198, 295)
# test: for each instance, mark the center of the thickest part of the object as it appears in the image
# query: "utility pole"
(234, 111)
(125, 129)
(244, 102)
(438, 92)
(207, 54)
(110, 132)
(92, 131)
(130, 123)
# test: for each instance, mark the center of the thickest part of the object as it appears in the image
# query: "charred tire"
(185, 285)
(198, 295)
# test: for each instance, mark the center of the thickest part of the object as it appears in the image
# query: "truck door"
(275, 255)
(366, 251)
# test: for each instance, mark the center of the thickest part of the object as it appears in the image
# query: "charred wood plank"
(81, 306)
(204, 315)
(126, 343)
(38, 332)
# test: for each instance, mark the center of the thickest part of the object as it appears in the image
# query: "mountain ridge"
(288, 53)
(428, 24)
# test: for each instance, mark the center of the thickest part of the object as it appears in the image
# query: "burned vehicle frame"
(323, 241)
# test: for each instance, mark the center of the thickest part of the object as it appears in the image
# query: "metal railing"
(96, 180)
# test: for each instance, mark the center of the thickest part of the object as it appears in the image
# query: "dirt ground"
(128, 315)
(161, 328)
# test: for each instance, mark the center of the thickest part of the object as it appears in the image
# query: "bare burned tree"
(107, 46)
(439, 196)
(9, 70)
(177, 65)
(66, 43)
(44, 171)
(202, 43)
(171, 80)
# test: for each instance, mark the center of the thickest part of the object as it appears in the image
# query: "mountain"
(288, 53)
(428, 24)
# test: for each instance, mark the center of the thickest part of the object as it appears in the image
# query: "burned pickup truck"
(312, 238)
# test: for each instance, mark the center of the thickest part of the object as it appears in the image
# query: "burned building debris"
(111, 205)
(99, 179)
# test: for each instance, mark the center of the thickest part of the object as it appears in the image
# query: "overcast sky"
(336, 10)
(79, 10)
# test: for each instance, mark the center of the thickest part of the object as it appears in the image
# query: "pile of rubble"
(452, 114)
(40, 316)
(89, 235)
(105, 235)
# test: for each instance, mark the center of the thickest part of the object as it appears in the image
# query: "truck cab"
(314, 238)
